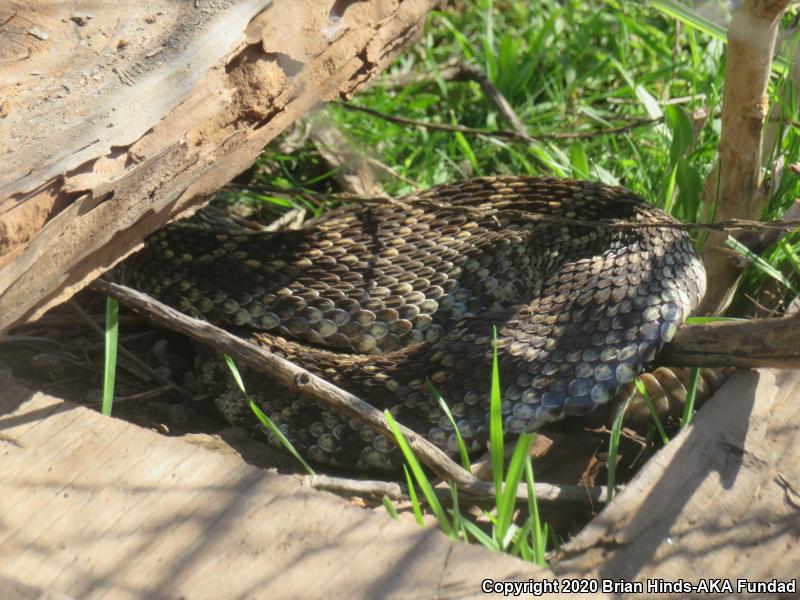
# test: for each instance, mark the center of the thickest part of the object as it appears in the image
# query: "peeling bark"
(147, 110)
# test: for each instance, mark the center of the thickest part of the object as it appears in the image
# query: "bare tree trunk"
(732, 188)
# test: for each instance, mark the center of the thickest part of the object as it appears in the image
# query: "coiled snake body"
(381, 298)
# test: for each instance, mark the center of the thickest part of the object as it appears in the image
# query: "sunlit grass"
(264, 419)
(111, 343)
(652, 410)
(613, 447)
(691, 397)
(528, 541)
(462, 449)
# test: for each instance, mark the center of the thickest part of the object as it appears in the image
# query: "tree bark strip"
(153, 113)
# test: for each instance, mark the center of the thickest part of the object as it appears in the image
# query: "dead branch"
(504, 133)
(312, 386)
(748, 344)
(496, 97)
(357, 487)
(353, 171)
(732, 186)
(453, 70)
(376, 488)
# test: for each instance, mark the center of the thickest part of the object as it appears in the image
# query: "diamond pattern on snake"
(380, 298)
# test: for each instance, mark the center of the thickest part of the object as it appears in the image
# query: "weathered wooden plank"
(92, 506)
(722, 500)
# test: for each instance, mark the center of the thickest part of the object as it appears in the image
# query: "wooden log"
(117, 118)
(720, 501)
(773, 342)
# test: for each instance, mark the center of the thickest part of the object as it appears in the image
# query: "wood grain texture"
(152, 117)
(95, 507)
(721, 500)
(91, 505)
(771, 342)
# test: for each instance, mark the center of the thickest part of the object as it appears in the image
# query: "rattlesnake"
(381, 298)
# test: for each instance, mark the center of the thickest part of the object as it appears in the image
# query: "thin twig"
(727, 225)
(351, 169)
(312, 386)
(34, 340)
(391, 172)
(146, 395)
(357, 487)
(399, 492)
(447, 71)
(496, 96)
(291, 219)
(505, 133)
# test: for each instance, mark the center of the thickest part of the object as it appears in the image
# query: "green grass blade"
(463, 144)
(521, 546)
(706, 320)
(268, 423)
(480, 536)
(265, 420)
(685, 15)
(691, 396)
(613, 446)
(681, 128)
(237, 377)
(690, 187)
(579, 161)
(539, 533)
(496, 422)
(422, 479)
(456, 511)
(506, 503)
(387, 504)
(760, 264)
(110, 367)
(649, 402)
(669, 190)
(462, 449)
(791, 255)
(412, 493)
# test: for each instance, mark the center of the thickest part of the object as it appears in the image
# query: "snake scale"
(382, 298)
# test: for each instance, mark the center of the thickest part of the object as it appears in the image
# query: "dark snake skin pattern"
(380, 298)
